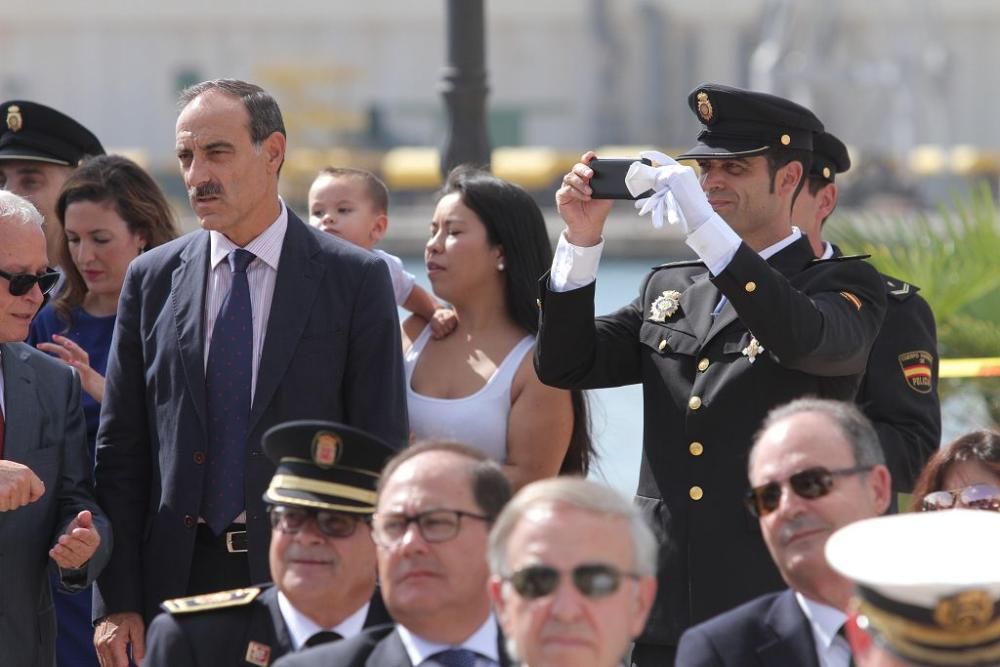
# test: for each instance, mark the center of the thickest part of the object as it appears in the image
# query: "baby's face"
(341, 206)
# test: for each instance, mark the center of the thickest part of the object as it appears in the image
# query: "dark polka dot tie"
(227, 382)
(454, 657)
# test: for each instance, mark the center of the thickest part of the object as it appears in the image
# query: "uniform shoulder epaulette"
(679, 265)
(899, 289)
(838, 258)
(235, 598)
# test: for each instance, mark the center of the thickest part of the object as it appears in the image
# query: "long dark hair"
(981, 447)
(136, 198)
(514, 222)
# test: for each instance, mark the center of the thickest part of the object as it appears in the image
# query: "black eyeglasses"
(592, 580)
(976, 496)
(19, 284)
(434, 525)
(810, 483)
(292, 518)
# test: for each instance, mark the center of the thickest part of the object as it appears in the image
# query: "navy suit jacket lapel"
(22, 418)
(793, 642)
(299, 274)
(187, 294)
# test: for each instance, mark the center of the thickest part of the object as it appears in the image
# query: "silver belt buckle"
(230, 547)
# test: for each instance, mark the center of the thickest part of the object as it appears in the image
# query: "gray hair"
(853, 425)
(581, 494)
(18, 209)
(265, 116)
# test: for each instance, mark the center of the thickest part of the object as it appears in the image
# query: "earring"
(500, 266)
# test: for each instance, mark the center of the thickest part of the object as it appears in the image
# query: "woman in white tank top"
(487, 250)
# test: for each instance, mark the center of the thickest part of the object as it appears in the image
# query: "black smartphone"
(608, 181)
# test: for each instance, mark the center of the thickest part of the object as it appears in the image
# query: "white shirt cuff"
(574, 266)
(715, 242)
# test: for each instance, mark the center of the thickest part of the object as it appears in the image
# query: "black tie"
(322, 637)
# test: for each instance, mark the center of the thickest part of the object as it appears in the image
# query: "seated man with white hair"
(573, 569)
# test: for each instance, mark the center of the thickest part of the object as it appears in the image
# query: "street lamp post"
(464, 87)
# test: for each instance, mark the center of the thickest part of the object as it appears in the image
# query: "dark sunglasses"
(19, 284)
(291, 519)
(810, 484)
(593, 580)
(977, 497)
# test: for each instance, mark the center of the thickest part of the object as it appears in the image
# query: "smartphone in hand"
(608, 181)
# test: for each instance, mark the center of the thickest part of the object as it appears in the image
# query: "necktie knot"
(240, 259)
(322, 637)
(454, 657)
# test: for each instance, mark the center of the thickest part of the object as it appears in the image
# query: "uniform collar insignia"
(665, 305)
(258, 654)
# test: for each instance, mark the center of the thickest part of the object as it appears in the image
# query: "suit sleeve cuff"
(715, 242)
(574, 266)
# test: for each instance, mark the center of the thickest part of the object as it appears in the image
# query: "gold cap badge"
(325, 449)
(705, 110)
(14, 120)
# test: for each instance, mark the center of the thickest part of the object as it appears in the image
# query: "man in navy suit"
(436, 503)
(815, 466)
(49, 518)
(255, 320)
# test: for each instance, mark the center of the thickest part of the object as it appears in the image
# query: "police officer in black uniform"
(715, 343)
(899, 390)
(322, 558)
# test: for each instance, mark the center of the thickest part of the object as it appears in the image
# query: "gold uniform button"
(696, 448)
(696, 493)
(785, 140)
(663, 344)
(703, 364)
(694, 402)
(750, 286)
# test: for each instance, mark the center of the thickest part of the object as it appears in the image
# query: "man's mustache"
(209, 189)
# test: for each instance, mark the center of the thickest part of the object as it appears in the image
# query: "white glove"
(676, 192)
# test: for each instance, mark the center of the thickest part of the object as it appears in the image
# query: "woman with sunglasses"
(110, 211)
(487, 250)
(966, 473)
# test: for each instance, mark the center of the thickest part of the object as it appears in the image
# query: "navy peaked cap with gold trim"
(38, 133)
(744, 123)
(829, 157)
(324, 465)
(928, 584)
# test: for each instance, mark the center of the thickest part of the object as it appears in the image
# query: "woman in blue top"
(110, 210)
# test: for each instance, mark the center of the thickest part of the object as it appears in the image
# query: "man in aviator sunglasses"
(573, 574)
(436, 502)
(50, 517)
(322, 559)
(816, 466)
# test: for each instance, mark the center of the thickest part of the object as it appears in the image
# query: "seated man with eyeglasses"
(816, 466)
(322, 559)
(436, 503)
(48, 509)
(574, 574)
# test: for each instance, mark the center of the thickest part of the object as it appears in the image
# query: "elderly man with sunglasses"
(816, 466)
(574, 574)
(322, 559)
(48, 511)
(436, 503)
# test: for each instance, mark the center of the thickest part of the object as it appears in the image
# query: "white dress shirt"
(483, 642)
(301, 627)
(261, 275)
(832, 650)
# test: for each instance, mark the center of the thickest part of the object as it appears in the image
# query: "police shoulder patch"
(221, 600)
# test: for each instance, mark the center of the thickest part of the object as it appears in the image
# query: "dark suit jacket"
(222, 636)
(45, 431)
(704, 399)
(331, 351)
(377, 647)
(770, 631)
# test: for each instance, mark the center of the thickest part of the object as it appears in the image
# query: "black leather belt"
(233, 539)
